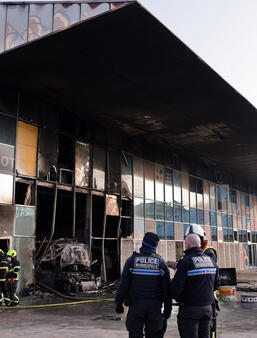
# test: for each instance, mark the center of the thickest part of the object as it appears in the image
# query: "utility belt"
(129, 300)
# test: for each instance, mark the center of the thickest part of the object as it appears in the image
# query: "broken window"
(24, 192)
(6, 191)
(82, 222)
(65, 160)
(199, 191)
(82, 164)
(97, 215)
(98, 168)
(112, 206)
(47, 154)
(26, 149)
(4, 244)
(126, 175)
(126, 227)
(8, 99)
(114, 173)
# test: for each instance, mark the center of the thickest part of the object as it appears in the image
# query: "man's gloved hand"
(11, 281)
(119, 308)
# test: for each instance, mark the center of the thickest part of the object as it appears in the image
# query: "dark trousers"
(14, 299)
(144, 315)
(3, 290)
(194, 321)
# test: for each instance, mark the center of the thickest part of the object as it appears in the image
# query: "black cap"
(151, 240)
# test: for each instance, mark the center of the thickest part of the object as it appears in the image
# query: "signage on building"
(6, 158)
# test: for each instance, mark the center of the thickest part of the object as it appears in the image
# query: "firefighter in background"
(13, 277)
(4, 267)
(212, 253)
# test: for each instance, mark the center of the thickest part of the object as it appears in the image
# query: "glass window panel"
(65, 15)
(169, 212)
(170, 230)
(225, 234)
(159, 188)
(230, 221)
(90, 10)
(193, 215)
(206, 195)
(17, 23)
(185, 229)
(168, 186)
(149, 180)
(230, 235)
(192, 186)
(200, 216)
(82, 164)
(138, 177)
(2, 26)
(199, 191)
(138, 207)
(159, 210)
(185, 190)
(26, 149)
(98, 168)
(214, 234)
(177, 182)
(213, 218)
(114, 171)
(212, 197)
(6, 158)
(206, 217)
(149, 209)
(25, 221)
(40, 20)
(186, 215)
(242, 197)
(233, 201)
(224, 220)
(126, 175)
(160, 229)
(6, 191)
(238, 203)
(7, 130)
(177, 213)
(219, 219)
(222, 196)
(47, 153)
(139, 228)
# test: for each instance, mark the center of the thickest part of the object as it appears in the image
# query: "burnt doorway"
(4, 244)
(105, 239)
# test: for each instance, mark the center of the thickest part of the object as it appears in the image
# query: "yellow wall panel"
(26, 149)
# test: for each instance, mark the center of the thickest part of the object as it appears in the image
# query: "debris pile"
(67, 267)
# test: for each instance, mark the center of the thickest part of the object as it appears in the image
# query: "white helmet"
(196, 229)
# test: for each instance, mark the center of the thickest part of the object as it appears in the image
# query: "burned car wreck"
(67, 266)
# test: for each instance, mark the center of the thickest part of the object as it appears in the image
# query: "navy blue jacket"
(196, 278)
(145, 276)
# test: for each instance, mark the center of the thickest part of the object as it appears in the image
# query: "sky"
(222, 32)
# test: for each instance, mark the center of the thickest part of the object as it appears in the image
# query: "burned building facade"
(99, 145)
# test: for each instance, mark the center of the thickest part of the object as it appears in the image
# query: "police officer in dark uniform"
(4, 267)
(145, 285)
(196, 277)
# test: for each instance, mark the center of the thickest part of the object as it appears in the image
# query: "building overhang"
(125, 69)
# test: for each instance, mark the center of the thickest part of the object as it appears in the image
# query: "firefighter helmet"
(196, 229)
(11, 253)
